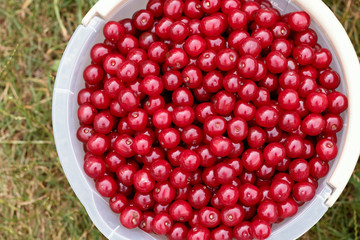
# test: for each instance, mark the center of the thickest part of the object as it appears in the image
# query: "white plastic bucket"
(69, 81)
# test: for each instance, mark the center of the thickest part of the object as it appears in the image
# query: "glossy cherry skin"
(208, 177)
(160, 170)
(198, 232)
(248, 90)
(237, 19)
(236, 164)
(252, 159)
(125, 174)
(172, 80)
(237, 129)
(308, 36)
(194, 45)
(193, 9)
(313, 124)
(181, 211)
(176, 58)
(98, 144)
(84, 96)
(178, 31)
(212, 25)
(178, 232)
(169, 138)
(214, 126)
(232, 216)
(299, 21)
(338, 102)
(288, 208)
(256, 137)
(303, 191)
(266, 117)
(288, 99)
(131, 217)
(274, 153)
(164, 192)
(173, 9)
(153, 104)
(192, 135)
(192, 76)
(209, 217)
(322, 59)
(231, 83)
(294, 146)
(161, 119)
(243, 231)
(210, 6)
(221, 146)
(182, 97)
(333, 123)
(189, 160)
(247, 66)
(224, 102)
(276, 62)
(84, 133)
(267, 210)
(199, 196)
(249, 195)
(212, 82)
(98, 52)
(180, 178)
(326, 149)
(100, 99)
(162, 223)
(114, 161)
(143, 19)
(224, 173)
(289, 121)
(128, 99)
(283, 46)
(123, 146)
(144, 201)
(318, 167)
(244, 110)
(145, 224)
(207, 158)
(222, 233)
(329, 79)
(207, 60)
(118, 202)
(299, 170)
(304, 54)
(279, 190)
(260, 229)
(154, 154)
(94, 167)
(317, 102)
(143, 182)
(138, 119)
(226, 59)
(173, 155)
(228, 195)
(235, 38)
(265, 18)
(142, 144)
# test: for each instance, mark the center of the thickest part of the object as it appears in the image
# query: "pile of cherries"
(209, 119)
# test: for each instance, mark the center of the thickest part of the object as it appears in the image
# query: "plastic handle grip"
(104, 9)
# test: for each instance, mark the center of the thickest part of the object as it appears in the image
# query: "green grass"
(36, 201)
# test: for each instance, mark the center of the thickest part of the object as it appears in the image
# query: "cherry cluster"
(209, 119)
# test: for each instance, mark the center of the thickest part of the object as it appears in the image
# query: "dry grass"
(36, 201)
